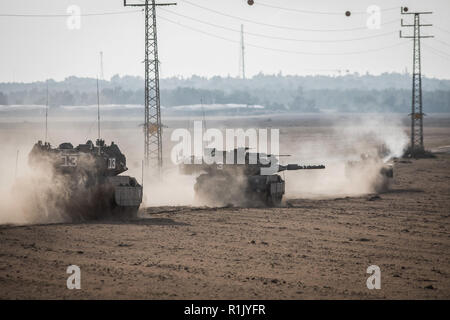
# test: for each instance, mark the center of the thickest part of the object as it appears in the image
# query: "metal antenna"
(203, 112)
(101, 65)
(46, 115)
(152, 125)
(203, 124)
(17, 160)
(98, 111)
(142, 178)
(242, 52)
(417, 114)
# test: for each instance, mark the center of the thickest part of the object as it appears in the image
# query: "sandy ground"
(308, 249)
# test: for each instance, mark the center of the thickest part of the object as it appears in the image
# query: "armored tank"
(386, 168)
(89, 182)
(380, 170)
(248, 179)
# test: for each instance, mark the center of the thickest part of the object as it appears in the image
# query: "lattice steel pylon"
(152, 109)
(416, 143)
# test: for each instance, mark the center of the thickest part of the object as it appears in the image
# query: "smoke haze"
(22, 198)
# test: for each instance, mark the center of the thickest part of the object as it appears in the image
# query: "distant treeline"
(388, 92)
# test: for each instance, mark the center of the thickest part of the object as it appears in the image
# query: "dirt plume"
(355, 153)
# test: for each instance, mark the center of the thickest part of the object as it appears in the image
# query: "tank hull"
(224, 189)
(101, 201)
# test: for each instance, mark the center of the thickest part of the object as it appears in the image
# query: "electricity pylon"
(152, 124)
(416, 144)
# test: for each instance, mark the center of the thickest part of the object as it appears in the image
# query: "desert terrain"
(317, 245)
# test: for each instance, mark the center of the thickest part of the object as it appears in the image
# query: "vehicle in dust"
(369, 165)
(90, 177)
(249, 179)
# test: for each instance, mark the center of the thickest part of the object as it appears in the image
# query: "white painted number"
(111, 163)
(69, 161)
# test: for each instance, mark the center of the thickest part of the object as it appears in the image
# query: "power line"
(279, 50)
(444, 30)
(437, 50)
(279, 38)
(438, 54)
(443, 42)
(47, 15)
(317, 12)
(278, 26)
(439, 28)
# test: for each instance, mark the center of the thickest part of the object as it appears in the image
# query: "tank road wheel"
(274, 200)
(124, 213)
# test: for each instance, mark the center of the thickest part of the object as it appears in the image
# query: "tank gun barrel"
(299, 167)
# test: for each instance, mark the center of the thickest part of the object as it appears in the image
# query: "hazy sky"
(36, 48)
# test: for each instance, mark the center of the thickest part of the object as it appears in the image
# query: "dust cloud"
(42, 195)
(34, 194)
(353, 151)
(171, 188)
(31, 196)
(24, 197)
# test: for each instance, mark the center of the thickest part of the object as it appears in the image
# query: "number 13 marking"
(69, 161)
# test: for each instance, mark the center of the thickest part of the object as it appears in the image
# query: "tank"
(381, 169)
(89, 176)
(386, 166)
(249, 182)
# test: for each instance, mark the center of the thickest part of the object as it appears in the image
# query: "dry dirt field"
(307, 249)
